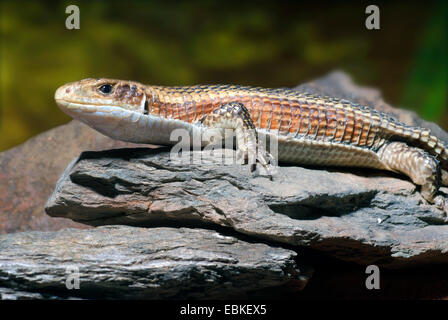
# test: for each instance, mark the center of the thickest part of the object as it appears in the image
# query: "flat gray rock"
(119, 262)
(363, 216)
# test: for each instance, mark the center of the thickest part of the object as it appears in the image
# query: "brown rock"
(29, 172)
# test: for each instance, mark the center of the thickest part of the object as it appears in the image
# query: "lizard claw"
(259, 156)
(442, 204)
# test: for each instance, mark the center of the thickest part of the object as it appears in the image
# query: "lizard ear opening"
(105, 88)
(146, 108)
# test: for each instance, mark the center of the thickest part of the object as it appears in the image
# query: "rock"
(11, 294)
(362, 216)
(137, 263)
(29, 172)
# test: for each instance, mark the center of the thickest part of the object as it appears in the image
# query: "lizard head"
(107, 105)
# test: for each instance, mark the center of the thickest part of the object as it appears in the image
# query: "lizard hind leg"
(422, 168)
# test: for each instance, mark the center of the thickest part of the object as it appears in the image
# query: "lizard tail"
(434, 146)
(422, 138)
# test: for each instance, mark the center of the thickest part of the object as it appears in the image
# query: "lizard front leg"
(235, 116)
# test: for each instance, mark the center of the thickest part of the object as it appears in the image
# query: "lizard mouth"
(71, 106)
(87, 112)
(65, 103)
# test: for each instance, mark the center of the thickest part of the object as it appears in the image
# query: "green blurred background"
(272, 44)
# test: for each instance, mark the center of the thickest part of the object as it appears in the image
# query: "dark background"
(272, 44)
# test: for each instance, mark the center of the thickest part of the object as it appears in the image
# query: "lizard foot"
(442, 204)
(255, 156)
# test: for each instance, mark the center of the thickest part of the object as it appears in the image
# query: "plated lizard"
(308, 129)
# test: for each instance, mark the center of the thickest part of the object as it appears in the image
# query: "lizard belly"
(321, 153)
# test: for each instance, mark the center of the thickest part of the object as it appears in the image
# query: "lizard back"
(299, 119)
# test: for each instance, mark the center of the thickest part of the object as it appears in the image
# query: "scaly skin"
(309, 129)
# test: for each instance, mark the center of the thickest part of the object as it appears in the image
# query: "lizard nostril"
(67, 90)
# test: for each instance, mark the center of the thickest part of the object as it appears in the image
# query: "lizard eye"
(105, 88)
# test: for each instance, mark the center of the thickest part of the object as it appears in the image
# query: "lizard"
(309, 129)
